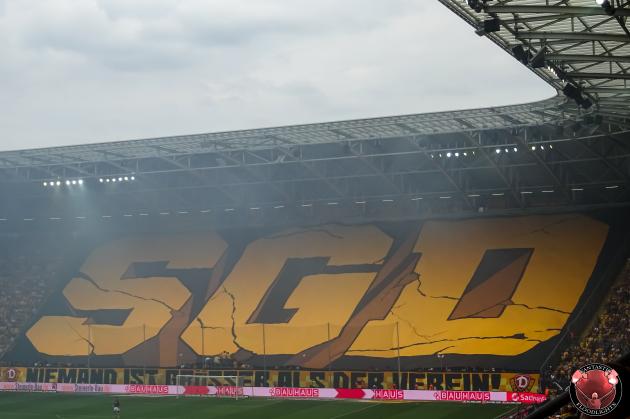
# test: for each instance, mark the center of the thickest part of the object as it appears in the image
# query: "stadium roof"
(577, 42)
(75, 157)
(553, 154)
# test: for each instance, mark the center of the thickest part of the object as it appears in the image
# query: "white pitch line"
(354, 411)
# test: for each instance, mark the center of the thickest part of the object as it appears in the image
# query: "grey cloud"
(77, 71)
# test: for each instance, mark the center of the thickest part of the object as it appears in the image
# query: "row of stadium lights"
(68, 182)
(117, 179)
(448, 154)
(78, 182)
(308, 205)
(497, 150)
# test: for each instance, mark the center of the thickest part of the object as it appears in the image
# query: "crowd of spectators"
(608, 339)
(222, 361)
(27, 277)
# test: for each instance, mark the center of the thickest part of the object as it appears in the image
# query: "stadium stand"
(482, 236)
(165, 300)
(607, 340)
(27, 272)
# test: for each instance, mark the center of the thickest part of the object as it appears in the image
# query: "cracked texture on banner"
(503, 320)
(104, 283)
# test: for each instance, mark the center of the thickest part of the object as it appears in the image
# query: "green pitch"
(59, 406)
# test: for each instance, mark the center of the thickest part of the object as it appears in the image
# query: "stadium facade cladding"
(557, 154)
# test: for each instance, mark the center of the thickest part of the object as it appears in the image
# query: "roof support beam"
(459, 188)
(565, 10)
(573, 36)
(524, 145)
(618, 171)
(499, 170)
(582, 75)
(386, 177)
(577, 58)
(607, 90)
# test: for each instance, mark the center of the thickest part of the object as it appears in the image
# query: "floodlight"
(491, 25)
(586, 103)
(120, 179)
(133, 178)
(520, 54)
(533, 148)
(572, 92)
(449, 154)
(538, 61)
(126, 178)
(74, 182)
(67, 182)
(515, 149)
(101, 180)
(476, 5)
(58, 183)
(80, 181)
(607, 6)
(456, 154)
(498, 151)
(113, 179)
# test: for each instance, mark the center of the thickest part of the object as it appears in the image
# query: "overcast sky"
(82, 71)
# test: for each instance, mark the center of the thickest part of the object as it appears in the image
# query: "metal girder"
(560, 10)
(624, 176)
(297, 158)
(587, 45)
(606, 76)
(291, 136)
(458, 188)
(377, 171)
(573, 36)
(499, 170)
(524, 143)
(315, 172)
(583, 58)
(249, 169)
(607, 90)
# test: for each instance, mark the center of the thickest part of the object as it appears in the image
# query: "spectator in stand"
(27, 276)
(608, 339)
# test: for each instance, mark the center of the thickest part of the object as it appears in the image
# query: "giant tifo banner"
(456, 381)
(477, 292)
(279, 392)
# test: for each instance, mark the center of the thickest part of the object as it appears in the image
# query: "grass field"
(58, 406)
